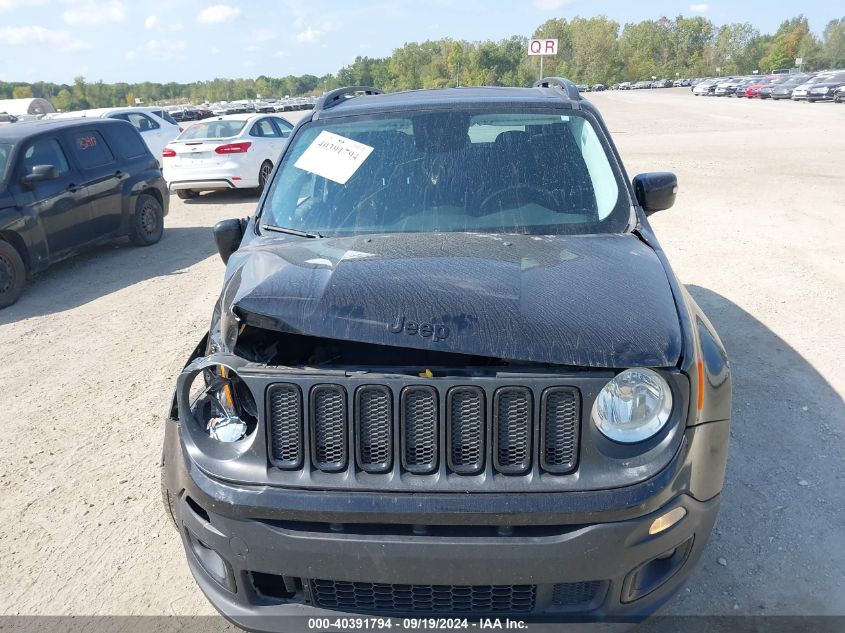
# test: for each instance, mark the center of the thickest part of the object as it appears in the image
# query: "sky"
(192, 40)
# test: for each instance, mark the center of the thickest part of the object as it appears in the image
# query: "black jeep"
(68, 185)
(450, 373)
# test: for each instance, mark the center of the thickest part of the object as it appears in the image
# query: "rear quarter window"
(90, 148)
(126, 141)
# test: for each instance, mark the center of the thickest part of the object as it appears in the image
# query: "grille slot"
(569, 594)
(559, 413)
(386, 598)
(285, 414)
(374, 416)
(465, 427)
(328, 427)
(420, 422)
(512, 419)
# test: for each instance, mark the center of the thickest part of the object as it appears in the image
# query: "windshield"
(5, 153)
(446, 171)
(212, 129)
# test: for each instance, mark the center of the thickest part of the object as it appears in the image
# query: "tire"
(187, 194)
(147, 222)
(12, 274)
(264, 174)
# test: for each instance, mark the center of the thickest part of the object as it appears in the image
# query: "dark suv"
(68, 185)
(450, 373)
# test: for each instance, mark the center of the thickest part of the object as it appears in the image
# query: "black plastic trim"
(278, 463)
(334, 466)
(419, 469)
(466, 469)
(369, 467)
(559, 469)
(523, 466)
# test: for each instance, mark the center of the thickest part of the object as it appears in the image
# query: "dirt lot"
(91, 351)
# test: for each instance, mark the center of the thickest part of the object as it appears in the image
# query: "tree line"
(590, 50)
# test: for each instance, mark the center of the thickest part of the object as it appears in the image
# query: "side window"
(125, 141)
(141, 121)
(165, 116)
(283, 126)
(90, 148)
(264, 128)
(45, 151)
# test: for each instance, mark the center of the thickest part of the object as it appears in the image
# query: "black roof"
(16, 132)
(450, 97)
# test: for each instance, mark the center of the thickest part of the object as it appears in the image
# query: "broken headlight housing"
(223, 406)
(633, 407)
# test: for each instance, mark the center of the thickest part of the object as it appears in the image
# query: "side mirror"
(656, 191)
(228, 235)
(39, 173)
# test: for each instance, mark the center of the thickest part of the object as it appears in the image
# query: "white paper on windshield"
(334, 157)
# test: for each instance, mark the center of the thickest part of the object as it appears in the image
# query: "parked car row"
(655, 83)
(822, 86)
(189, 112)
(245, 106)
(78, 179)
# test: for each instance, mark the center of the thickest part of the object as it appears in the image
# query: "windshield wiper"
(288, 231)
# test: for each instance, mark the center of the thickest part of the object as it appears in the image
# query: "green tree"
(22, 92)
(834, 43)
(735, 50)
(63, 100)
(595, 50)
(792, 40)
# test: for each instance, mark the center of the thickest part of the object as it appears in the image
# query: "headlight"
(822, 91)
(225, 408)
(633, 406)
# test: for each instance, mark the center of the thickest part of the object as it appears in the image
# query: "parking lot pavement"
(92, 349)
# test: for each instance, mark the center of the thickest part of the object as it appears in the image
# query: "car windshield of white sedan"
(444, 171)
(212, 129)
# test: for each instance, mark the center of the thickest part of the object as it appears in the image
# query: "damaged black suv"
(450, 373)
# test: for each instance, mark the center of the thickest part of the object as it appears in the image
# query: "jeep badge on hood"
(433, 331)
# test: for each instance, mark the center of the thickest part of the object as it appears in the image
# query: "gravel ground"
(94, 345)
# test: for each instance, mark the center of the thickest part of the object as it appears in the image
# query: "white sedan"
(237, 151)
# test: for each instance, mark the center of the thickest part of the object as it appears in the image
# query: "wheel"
(264, 174)
(12, 274)
(187, 194)
(148, 221)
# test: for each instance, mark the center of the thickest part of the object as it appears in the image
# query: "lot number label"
(333, 156)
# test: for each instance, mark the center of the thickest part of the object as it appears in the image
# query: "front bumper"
(595, 542)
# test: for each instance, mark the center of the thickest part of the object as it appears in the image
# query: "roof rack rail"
(568, 87)
(339, 95)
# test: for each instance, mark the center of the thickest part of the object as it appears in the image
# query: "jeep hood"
(592, 301)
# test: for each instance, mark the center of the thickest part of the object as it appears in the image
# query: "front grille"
(570, 594)
(512, 424)
(374, 413)
(399, 599)
(466, 429)
(397, 429)
(420, 423)
(559, 412)
(328, 426)
(285, 402)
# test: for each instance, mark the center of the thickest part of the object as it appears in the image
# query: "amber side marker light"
(663, 523)
(700, 385)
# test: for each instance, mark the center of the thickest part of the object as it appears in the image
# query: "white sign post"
(542, 48)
